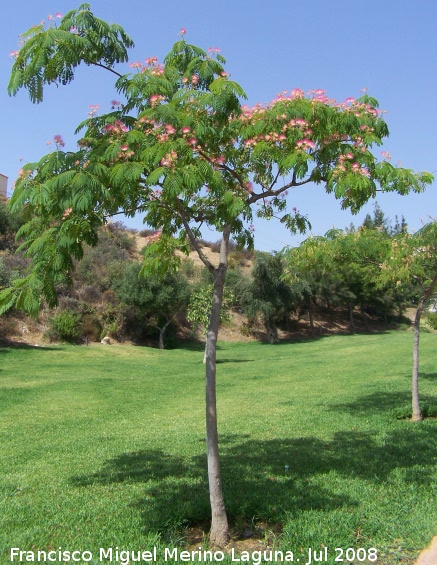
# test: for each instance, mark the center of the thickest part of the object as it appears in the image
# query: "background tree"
(380, 222)
(10, 222)
(356, 259)
(183, 152)
(269, 295)
(160, 300)
(343, 269)
(310, 266)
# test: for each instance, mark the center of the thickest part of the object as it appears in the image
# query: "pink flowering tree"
(182, 151)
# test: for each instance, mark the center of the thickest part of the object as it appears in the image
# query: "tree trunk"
(161, 334)
(417, 414)
(311, 315)
(272, 332)
(219, 534)
(351, 318)
(364, 317)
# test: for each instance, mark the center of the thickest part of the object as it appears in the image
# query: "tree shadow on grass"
(393, 404)
(268, 479)
(219, 361)
(7, 345)
(428, 376)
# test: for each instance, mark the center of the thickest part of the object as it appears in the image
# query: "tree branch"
(192, 239)
(107, 68)
(255, 197)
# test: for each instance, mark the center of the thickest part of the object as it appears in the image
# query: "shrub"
(91, 327)
(8, 326)
(432, 320)
(65, 325)
(114, 322)
(188, 268)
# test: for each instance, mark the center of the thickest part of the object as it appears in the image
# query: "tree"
(382, 223)
(356, 257)
(413, 259)
(344, 268)
(269, 295)
(9, 225)
(182, 151)
(160, 299)
(310, 265)
(379, 220)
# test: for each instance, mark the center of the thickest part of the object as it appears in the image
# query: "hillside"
(93, 307)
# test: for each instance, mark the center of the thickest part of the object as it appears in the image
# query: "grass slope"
(103, 446)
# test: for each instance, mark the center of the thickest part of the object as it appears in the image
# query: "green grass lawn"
(103, 446)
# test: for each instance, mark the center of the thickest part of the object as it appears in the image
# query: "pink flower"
(67, 213)
(185, 129)
(182, 31)
(58, 15)
(194, 79)
(50, 17)
(154, 237)
(169, 159)
(124, 147)
(305, 144)
(58, 140)
(13, 54)
(155, 98)
(93, 110)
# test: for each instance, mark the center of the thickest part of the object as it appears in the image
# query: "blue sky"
(339, 46)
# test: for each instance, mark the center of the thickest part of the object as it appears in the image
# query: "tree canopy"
(182, 151)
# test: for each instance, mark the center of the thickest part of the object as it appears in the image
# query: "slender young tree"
(182, 151)
(413, 259)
